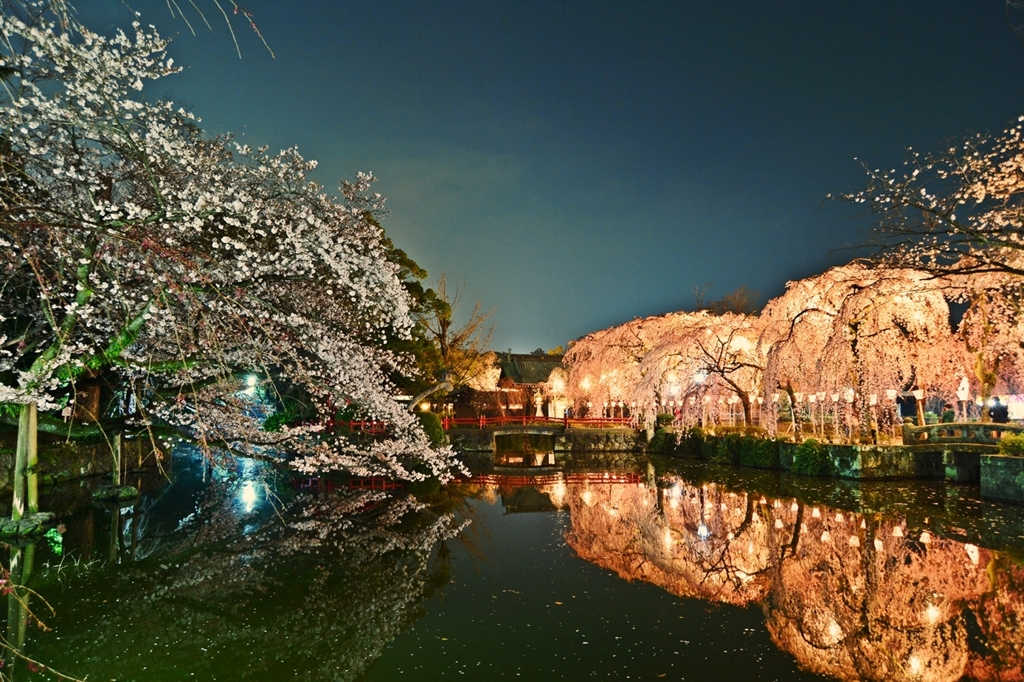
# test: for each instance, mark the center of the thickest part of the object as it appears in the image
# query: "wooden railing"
(526, 420)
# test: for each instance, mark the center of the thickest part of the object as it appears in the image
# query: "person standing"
(998, 412)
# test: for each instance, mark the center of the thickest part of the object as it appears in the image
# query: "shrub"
(274, 422)
(759, 452)
(727, 449)
(663, 442)
(1012, 445)
(691, 444)
(708, 448)
(431, 424)
(664, 419)
(812, 458)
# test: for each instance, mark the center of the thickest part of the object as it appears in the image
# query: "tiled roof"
(528, 369)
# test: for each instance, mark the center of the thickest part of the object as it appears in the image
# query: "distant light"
(702, 531)
(425, 406)
(251, 380)
(249, 496)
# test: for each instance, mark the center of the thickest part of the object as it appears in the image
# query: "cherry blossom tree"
(858, 331)
(958, 211)
(136, 249)
(855, 333)
(690, 363)
(704, 361)
(605, 365)
(990, 334)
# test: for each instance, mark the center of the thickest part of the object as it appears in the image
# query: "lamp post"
(963, 394)
(919, 399)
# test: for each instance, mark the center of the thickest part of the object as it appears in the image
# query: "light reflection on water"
(694, 574)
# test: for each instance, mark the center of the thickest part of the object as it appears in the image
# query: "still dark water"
(663, 571)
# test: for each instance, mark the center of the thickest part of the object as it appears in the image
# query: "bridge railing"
(379, 427)
(526, 420)
(980, 433)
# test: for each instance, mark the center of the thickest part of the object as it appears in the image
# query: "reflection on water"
(242, 577)
(849, 595)
(238, 579)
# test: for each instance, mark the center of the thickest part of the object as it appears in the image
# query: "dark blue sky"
(578, 164)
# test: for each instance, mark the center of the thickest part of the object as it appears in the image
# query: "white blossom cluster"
(132, 246)
(960, 211)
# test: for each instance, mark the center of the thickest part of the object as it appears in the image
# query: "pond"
(664, 570)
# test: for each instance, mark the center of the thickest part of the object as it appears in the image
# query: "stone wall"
(1002, 478)
(874, 461)
(943, 460)
(569, 440)
(600, 440)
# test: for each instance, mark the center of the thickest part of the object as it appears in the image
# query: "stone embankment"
(565, 440)
(959, 453)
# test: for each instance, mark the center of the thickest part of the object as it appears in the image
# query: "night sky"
(578, 164)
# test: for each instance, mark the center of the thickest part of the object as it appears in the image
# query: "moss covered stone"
(115, 492)
(32, 524)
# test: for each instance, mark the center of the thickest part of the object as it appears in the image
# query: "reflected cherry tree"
(261, 584)
(850, 595)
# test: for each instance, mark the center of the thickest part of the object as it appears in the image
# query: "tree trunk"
(26, 486)
(986, 381)
(748, 419)
(793, 410)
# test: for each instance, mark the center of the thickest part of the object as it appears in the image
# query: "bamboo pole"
(25, 459)
(116, 473)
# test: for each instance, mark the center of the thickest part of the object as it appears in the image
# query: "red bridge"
(525, 420)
